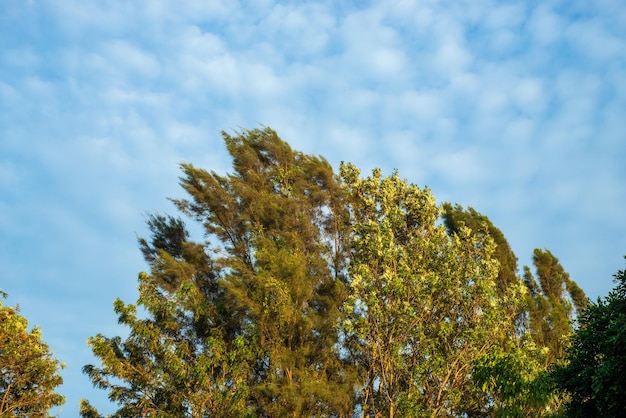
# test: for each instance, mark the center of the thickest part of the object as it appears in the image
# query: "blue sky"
(516, 108)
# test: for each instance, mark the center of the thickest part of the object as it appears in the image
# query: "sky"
(515, 108)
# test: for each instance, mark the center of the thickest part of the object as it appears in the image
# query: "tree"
(455, 217)
(29, 374)
(164, 372)
(554, 301)
(551, 303)
(247, 319)
(279, 221)
(514, 373)
(423, 307)
(594, 374)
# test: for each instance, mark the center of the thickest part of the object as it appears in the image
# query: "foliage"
(165, 367)
(250, 329)
(515, 373)
(554, 301)
(423, 307)
(322, 295)
(29, 374)
(456, 217)
(278, 219)
(594, 375)
(515, 377)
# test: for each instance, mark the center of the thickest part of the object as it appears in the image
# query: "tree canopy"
(321, 294)
(554, 301)
(423, 305)
(29, 374)
(594, 375)
(250, 314)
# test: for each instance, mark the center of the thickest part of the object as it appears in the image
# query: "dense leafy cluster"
(324, 294)
(422, 306)
(29, 375)
(594, 378)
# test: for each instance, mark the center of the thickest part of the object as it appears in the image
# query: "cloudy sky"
(516, 108)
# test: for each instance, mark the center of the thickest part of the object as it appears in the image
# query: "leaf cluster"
(29, 374)
(594, 374)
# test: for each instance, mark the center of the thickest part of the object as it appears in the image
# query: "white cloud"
(409, 107)
(301, 30)
(452, 57)
(24, 58)
(545, 26)
(76, 17)
(520, 130)
(9, 175)
(372, 48)
(119, 96)
(350, 141)
(595, 42)
(528, 94)
(131, 60)
(459, 167)
(502, 16)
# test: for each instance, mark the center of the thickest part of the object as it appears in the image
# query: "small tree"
(423, 306)
(246, 321)
(594, 375)
(176, 362)
(516, 373)
(554, 301)
(29, 375)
